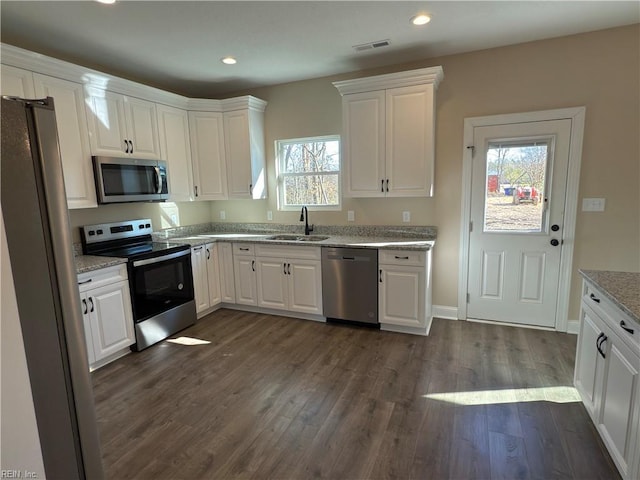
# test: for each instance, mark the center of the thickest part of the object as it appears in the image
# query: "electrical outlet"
(351, 216)
(406, 216)
(269, 215)
(593, 204)
(223, 215)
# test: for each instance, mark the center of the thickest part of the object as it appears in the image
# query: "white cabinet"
(206, 278)
(227, 277)
(607, 376)
(289, 278)
(120, 125)
(73, 136)
(389, 134)
(244, 268)
(206, 131)
(244, 149)
(106, 313)
(175, 148)
(404, 293)
(16, 82)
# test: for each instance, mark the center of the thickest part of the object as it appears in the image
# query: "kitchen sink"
(298, 238)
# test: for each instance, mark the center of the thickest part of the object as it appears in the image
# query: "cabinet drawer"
(243, 249)
(279, 251)
(104, 276)
(401, 257)
(617, 320)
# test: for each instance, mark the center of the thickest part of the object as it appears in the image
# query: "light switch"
(269, 215)
(351, 216)
(593, 204)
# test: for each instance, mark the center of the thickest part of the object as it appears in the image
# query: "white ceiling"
(177, 45)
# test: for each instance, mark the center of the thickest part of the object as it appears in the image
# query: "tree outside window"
(309, 172)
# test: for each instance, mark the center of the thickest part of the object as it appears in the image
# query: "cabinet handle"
(250, 189)
(288, 269)
(401, 258)
(131, 144)
(91, 302)
(84, 302)
(195, 187)
(253, 265)
(380, 279)
(382, 185)
(594, 298)
(387, 184)
(208, 254)
(126, 146)
(625, 328)
(86, 281)
(243, 249)
(197, 248)
(284, 268)
(601, 339)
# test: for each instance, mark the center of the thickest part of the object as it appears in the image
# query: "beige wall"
(599, 70)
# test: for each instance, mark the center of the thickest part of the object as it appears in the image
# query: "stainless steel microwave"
(121, 180)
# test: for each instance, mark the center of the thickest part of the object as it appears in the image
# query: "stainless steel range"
(160, 277)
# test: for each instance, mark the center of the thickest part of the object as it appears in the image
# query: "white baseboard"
(573, 327)
(442, 311)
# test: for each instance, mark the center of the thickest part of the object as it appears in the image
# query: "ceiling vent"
(372, 45)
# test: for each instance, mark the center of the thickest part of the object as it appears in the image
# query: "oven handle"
(149, 261)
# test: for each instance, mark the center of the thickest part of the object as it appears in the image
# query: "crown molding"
(422, 76)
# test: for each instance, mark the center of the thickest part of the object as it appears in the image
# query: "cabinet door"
(175, 148)
(86, 322)
(200, 282)
(363, 145)
(142, 128)
(272, 282)
(588, 369)
(227, 278)
(238, 153)
(207, 153)
(16, 82)
(305, 286)
(619, 411)
(410, 141)
(111, 318)
(245, 280)
(107, 124)
(213, 275)
(73, 135)
(401, 296)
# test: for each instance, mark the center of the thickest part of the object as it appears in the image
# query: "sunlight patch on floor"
(188, 341)
(560, 394)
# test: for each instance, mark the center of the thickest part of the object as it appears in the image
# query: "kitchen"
(601, 75)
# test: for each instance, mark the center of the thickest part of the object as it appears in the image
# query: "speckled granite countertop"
(622, 288)
(88, 263)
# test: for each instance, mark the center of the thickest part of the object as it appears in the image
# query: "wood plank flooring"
(271, 397)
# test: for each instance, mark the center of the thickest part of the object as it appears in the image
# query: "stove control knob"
(180, 286)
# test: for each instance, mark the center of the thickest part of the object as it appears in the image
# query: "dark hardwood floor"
(270, 397)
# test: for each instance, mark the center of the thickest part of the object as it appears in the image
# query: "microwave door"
(127, 180)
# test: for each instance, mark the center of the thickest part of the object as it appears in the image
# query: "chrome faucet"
(304, 216)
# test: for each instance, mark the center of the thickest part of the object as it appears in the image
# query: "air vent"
(372, 45)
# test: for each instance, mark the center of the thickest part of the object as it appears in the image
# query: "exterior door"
(518, 185)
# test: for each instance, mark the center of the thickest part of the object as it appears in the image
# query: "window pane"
(321, 156)
(311, 190)
(515, 187)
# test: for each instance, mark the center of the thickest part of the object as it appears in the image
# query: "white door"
(213, 274)
(305, 286)
(401, 295)
(518, 184)
(272, 282)
(245, 279)
(111, 319)
(200, 280)
(142, 128)
(107, 124)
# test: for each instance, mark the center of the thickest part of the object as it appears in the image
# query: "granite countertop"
(88, 263)
(622, 288)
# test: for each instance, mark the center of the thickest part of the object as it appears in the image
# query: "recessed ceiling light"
(229, 61)
(108, 2)
(421, 19)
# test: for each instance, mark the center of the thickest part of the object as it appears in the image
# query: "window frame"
(280, 175)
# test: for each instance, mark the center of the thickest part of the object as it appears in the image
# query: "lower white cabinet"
(607, 376)
(106, 314)
(244, 269)
(289, 278)
(205, 265)
(227, 277)
(404, 293)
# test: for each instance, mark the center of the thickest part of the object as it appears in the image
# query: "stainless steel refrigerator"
(39, 241)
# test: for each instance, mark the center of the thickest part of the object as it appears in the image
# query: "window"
(309, 173)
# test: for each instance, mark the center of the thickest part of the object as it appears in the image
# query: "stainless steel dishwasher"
(350, 284)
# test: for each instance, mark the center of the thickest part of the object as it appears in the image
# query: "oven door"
(160, 284)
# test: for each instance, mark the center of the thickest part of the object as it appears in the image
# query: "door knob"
(555, 228)
(554, 242)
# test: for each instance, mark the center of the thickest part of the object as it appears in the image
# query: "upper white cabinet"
(244, 147)
(207, 151)
(73, 136)
(389, 133)
(175, 148)
(16, 82)
(121, 125)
